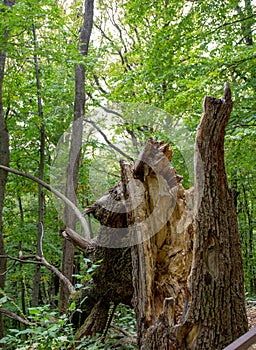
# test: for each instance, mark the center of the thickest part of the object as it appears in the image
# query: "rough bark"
(112, 282)
(115, 211)
(186, 266)
(217, 312)
(97, 321)
(75, 148)
(187, 272)
(214, 311)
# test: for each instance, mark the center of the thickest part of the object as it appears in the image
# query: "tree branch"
(22, 259)
(230, 23)
(41, 260)
(76, 239)
(14, 316)
(57, 194)
(96, 79)
(107, 140)
(54, 269)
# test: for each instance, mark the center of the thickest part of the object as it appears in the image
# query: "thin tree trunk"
(75, 149)
(4, 160)
(37, 277)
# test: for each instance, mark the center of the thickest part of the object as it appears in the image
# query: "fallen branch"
(120, 329)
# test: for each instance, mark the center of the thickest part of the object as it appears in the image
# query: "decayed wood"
(214, 312)
(184, 273)
(112, 281)
(162, 260)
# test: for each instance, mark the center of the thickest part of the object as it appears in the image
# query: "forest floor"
(251, 315)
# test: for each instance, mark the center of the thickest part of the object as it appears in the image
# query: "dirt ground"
(251, 315)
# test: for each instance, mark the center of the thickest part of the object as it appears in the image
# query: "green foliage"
(124, 321)
(172, 56)
(87, 270)
(155, 61)
(49, 331)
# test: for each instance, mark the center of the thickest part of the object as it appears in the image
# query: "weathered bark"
(112, 281)
(187, 270)
(214, 312)
(115, 211)
(97, 321)
(75, 148)
(217, 313)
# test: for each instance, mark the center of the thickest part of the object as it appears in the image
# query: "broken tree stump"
(184, 266)
(214, 311)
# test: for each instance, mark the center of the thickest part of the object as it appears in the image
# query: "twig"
(22, 259)
(107, 140)
(96, 79)
(231, 23)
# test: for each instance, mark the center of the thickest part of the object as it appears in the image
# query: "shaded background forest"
(167, 54)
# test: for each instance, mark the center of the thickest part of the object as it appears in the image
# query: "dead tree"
(188, 290)
(175, 258)
(214, 308)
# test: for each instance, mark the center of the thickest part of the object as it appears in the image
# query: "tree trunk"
(4, 160)
(112, 281)
(186, 252)
(214, 312)
(217, 310)
(75, 149)
(37, 276)
(162, 261)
